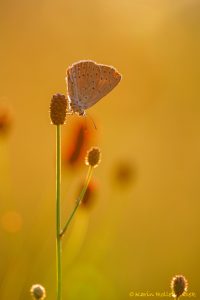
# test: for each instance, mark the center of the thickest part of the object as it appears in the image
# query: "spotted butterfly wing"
(88, 82)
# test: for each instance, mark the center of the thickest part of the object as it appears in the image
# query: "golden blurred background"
(143, 226)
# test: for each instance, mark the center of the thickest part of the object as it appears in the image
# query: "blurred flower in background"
(90, 195)
(6, 119)
(77, 143)
(124, 173)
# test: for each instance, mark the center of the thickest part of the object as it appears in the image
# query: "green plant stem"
(80, 198)
(58, 237)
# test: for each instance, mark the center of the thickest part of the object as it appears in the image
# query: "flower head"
(124, 173)
(38, 292)
(179, 285)
(58, 109)
(93, 157)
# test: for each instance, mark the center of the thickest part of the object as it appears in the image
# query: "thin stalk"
(58, 237)
(80, 198)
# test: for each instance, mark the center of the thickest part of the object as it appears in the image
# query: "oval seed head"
(179, 285)
(38, 292)
(93, 157)
(58, 109)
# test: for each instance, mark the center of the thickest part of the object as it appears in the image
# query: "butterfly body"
(88, 82)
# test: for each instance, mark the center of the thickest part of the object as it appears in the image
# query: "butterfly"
(88, 82)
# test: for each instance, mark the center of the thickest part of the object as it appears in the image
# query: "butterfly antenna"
(92, 122)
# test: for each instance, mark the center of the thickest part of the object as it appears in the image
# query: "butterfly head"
(82, 113)
(76, 108)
